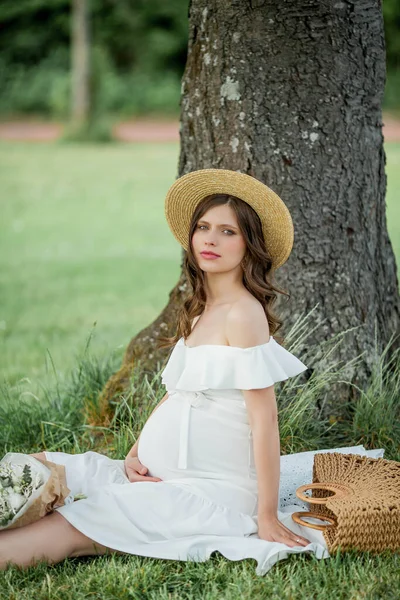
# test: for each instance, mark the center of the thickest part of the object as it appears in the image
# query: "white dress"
(199, 443)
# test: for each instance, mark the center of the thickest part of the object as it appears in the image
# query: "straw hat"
(187, 191)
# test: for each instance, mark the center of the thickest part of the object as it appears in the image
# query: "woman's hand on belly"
(135, 471)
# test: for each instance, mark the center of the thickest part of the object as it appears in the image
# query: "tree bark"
(80, 55)
(291, 92)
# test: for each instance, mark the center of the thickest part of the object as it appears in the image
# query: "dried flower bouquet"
(30, 489)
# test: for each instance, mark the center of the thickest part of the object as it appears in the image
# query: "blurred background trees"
(80, 63)
(138, 56)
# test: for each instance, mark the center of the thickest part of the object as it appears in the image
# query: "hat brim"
(187, 191)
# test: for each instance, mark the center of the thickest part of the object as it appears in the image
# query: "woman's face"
(217, 231)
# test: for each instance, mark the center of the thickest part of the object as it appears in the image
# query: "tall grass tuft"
(374, 417)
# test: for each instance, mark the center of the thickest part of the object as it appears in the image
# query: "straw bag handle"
(298, 518)
(338, 489)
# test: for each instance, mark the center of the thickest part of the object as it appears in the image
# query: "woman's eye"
(228, 230)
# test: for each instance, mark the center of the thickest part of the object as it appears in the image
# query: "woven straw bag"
(364, 511)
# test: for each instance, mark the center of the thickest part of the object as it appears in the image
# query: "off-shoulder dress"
(199, 443)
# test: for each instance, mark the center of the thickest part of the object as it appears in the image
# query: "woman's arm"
(263, 419)
(246, 327)
(133, 452)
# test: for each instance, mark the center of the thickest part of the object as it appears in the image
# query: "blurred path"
(129, 131)
(30, 132)
(136, 131)
(147, 131)
(391, 128)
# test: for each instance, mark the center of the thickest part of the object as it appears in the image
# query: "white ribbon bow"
(189, 399)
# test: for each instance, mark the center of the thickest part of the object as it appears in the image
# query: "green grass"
(132, 578)
(83, 239)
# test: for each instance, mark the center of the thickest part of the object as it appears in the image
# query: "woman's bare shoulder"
(246, 323)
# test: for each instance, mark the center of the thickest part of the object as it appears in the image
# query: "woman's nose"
(210, 237)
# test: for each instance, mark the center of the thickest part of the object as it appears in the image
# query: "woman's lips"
(209, 255)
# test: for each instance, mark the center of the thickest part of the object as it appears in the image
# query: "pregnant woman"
(204, 473)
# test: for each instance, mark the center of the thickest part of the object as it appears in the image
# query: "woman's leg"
(51, 539)
(86, 472)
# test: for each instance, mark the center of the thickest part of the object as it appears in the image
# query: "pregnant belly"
(216, 446)
(159, 441)
(217, 454)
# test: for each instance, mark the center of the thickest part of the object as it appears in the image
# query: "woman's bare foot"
(40, 456)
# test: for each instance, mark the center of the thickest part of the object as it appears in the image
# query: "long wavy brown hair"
(256, 264)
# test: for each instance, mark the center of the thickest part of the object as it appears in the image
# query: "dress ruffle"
(210, 366)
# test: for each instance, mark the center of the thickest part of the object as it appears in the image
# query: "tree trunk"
(80, 55)
(291, 93)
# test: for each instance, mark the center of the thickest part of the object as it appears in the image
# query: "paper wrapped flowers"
(30, 489)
